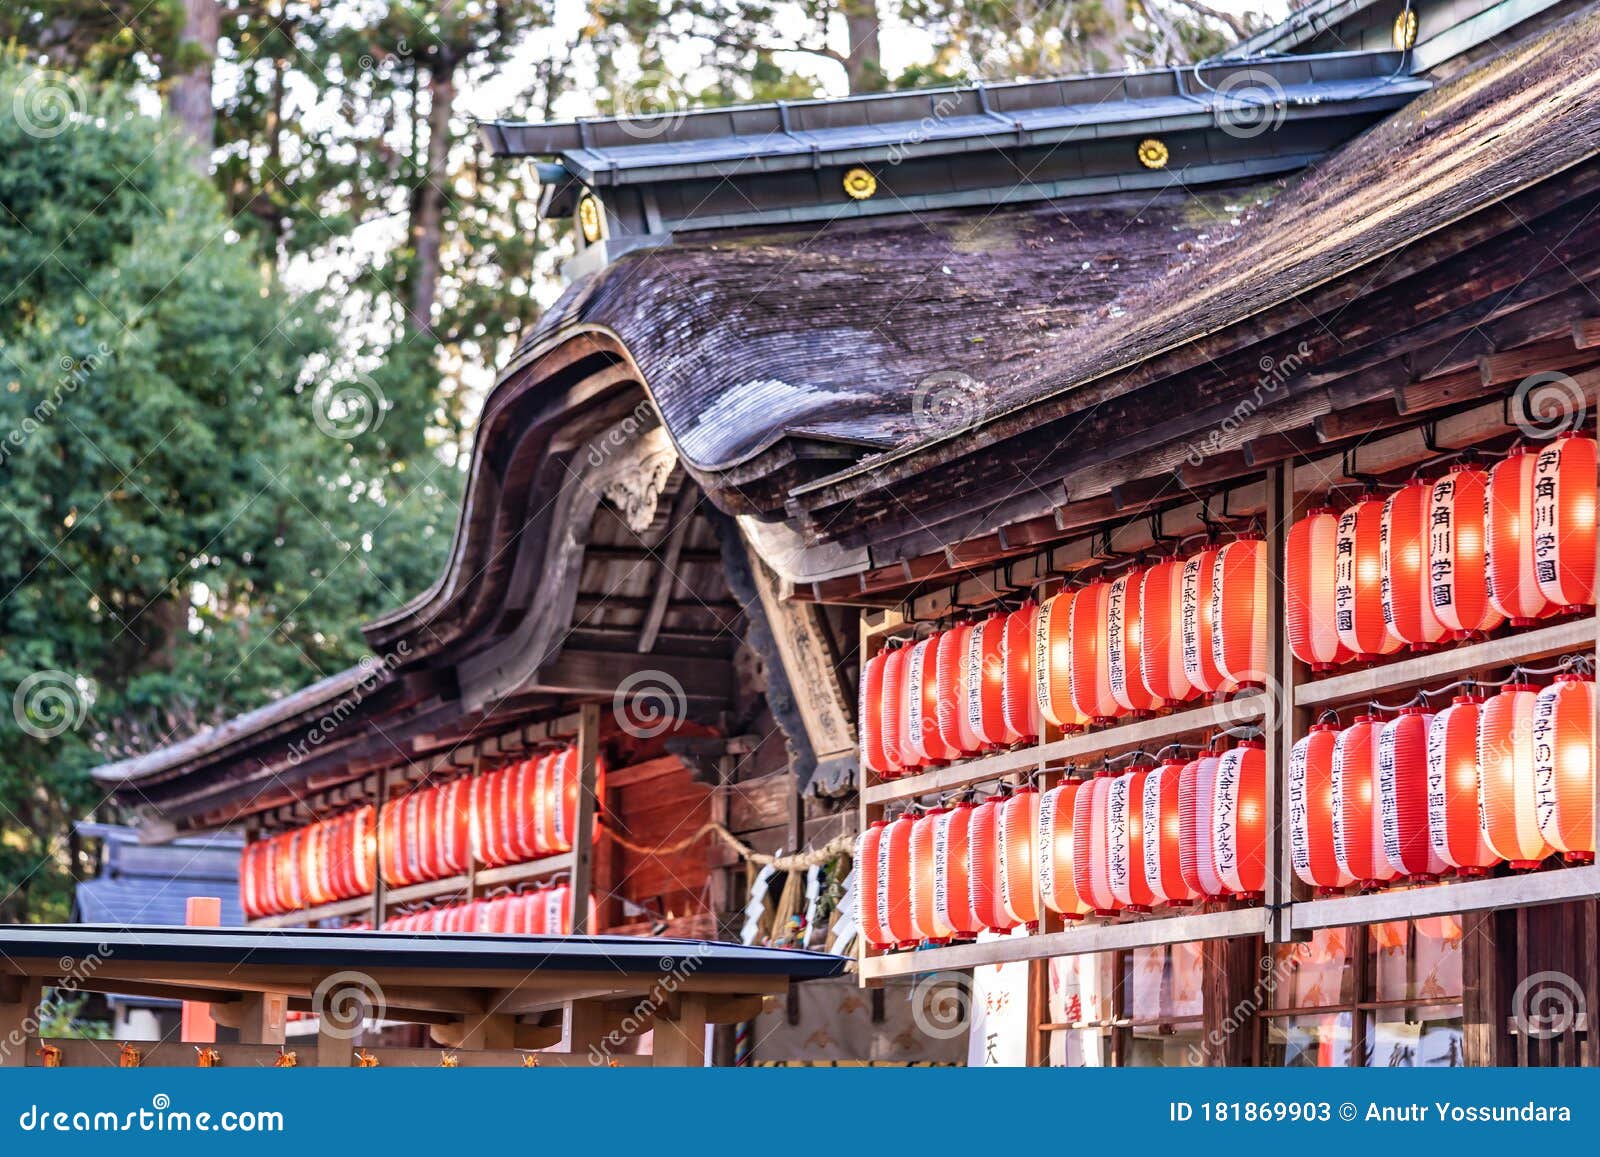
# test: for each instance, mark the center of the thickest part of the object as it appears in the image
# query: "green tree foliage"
(188, 502)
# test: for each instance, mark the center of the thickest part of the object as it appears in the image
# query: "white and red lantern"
(1162, 831)
(871, 911)
(1563, 766)
(1091, 869)
(955, 728)
(1564, 522)
(1239, 820)
(869, 715)
(1018, 703)
(1513, 578)
(1508, 804)
(1407, 584)
(1357, 824)
(1057, 810)
(984, 855)
(925, 918)
(1196, 850)
(1239, 614)
(1052, 664)
(1161, 640)
(893, 710)
(1198, 624)
(985, 680)
(1311, 846)
(1019, 823)
(1091, 659)
(1403, 796)
(1358, 581)
(895, 859)
(1125, 841)
(1311, 556)
(952, 894)
(1124, 639)
(1458, 547)
(1453, 789)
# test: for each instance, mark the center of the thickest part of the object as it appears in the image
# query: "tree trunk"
(428, 204)
(863, 66)
(189, 98)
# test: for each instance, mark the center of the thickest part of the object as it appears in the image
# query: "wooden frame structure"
(489, 1000)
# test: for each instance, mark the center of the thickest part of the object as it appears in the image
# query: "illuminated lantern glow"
(1057, 811)
(869, 714)
(455, 827)
(934, 750)
(1458, 553)
(1564, 522)
(955, 729)
(1310, 557)
(985, 680)
(1239, 614)
(1239, 819)
(411, 840)
(1196, 850)
(1407, 584)
(871, 903)
(1017, 699)
(983, 849)
(952, 895)
(1161, 639)
(1052, 664)
(1199, 628)
(1453, 789)
(1358, 582)
(1125, 842)
(1162, 828)
(1091, 869)
(1019, 823)
(893, 715)
(1091, 661)
(1124, 640)
(1403, 796)
(1513, 580)
(895, 856)
(1311, 845)
(914, 702)
(1357, 825)
(1445, 928)
(1391, 935)
(1563, 766)
(925, 920)
(1508, 799)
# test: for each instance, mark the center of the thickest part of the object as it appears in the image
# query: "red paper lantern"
(1091, 869)
(985, 680)
(952, 896)
(869, 715)
(1564, 522)
(1052, 664)
(1161, 641)
(1239, 819)
(1018, 703)
(1407, 584)
(1162, 820)
(892, 713)
(1311, 555)
(1125, 644)
(919, 689)
(933, 749)
(955, 728)
(983, 848)
(925, 921)
(1019, 824)
(1196, 850)
(1311, 844)
(1199, 627)
(896, 858)
(1358, 582)
(1403, 795)
(1239, 614)
(1513, 579)
(1458, 553)
(1563, 766)
(455, 826)
(1357, 824)
(1453, 789)
(1057, 810)
(871, 902)
(1125, 842)
(1091, 661)
(1509, 801)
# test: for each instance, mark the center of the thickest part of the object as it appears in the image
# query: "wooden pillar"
(19, 1018)
(586, 1027)
(197, 1025)
(336, 1047)
(489, 1030)
(1283, 722)
(380, 890)
(583, 829)
(680, 1038)
(1230, 971)
(261, 1018)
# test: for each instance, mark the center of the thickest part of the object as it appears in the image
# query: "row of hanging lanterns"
(1445, 560)
(426, 834)
(318, 864)
(1150, 638)
(541, 912)
(1175, 834)
(1484, 781)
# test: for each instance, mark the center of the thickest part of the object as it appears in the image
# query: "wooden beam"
(583, 833)
(19, 1013)
(1586, 333)
(680, 1036)
(263, 1017)
(681, 519)
(577, 672)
